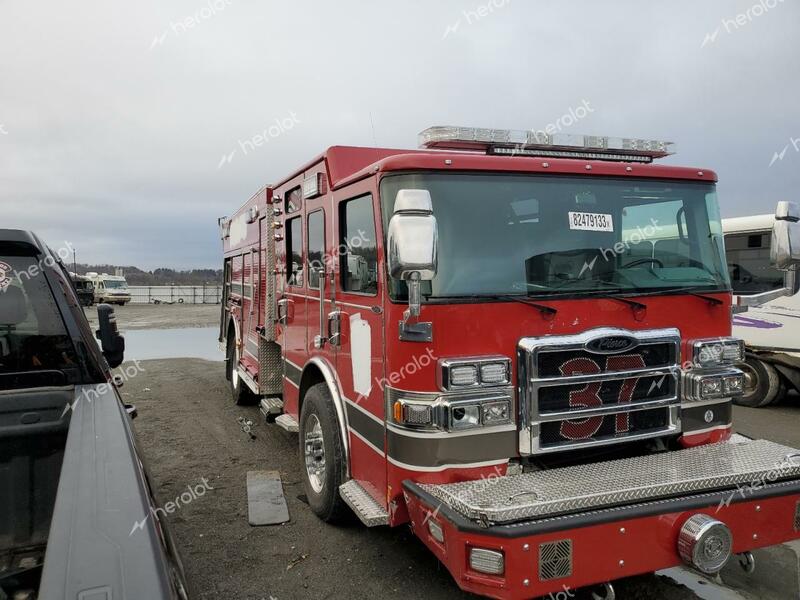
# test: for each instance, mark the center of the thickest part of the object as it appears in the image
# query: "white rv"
(771, 330)
(111, 289)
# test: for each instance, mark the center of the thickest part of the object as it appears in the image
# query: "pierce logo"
(5, 276)
(611, 344)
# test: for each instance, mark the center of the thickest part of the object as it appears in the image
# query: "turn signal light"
(486, 561)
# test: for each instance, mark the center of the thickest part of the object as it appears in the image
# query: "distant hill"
(135, 276)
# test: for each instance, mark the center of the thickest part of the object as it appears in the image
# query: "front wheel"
(322, 452)
(762, 383)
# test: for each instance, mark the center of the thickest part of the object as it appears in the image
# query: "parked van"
(111, 289)
(770, 331)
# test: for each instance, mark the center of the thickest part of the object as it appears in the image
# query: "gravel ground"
(162, 316)
(188, 430)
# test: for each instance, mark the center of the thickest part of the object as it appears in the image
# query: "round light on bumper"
(705, 543)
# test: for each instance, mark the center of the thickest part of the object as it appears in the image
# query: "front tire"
(762, 384)
(323, 467)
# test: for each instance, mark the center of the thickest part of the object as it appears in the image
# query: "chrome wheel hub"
(314, 451)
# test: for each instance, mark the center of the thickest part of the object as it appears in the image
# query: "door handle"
(335, 328)
(285, 312)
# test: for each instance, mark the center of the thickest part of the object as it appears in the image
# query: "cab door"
(359, 356)
(292, 299)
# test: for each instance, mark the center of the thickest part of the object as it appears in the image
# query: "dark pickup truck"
(78, 518)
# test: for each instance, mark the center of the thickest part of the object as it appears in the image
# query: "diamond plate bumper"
(581, 488)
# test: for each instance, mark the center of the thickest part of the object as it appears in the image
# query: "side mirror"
(412, 242)
(412, 237)
(785, 247)
(111, 342)
(784, 255)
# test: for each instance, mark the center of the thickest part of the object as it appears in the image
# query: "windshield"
(113, 284)
(545, 236)
(32, 333)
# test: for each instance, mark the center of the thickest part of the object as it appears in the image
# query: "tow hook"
(608, 594)
(748, 562)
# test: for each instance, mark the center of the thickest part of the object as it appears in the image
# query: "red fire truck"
(516, 342)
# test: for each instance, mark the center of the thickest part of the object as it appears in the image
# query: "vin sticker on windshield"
(586, 221)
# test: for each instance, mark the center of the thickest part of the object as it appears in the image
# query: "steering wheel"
(644, 261)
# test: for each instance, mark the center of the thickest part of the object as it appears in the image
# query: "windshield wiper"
(548, 312)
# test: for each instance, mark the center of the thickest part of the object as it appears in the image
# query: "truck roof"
(21, 236)
(345, 164)
(752, 223)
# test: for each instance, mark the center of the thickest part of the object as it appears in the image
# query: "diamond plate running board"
(366, 508)
(618, 482)
(288, 423)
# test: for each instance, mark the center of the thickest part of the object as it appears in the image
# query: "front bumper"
(596, 529)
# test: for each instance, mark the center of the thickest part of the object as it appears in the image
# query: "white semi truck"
(770, 330)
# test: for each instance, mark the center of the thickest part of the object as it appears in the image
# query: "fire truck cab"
(519, 344)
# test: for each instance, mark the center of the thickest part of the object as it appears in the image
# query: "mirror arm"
(417, 331)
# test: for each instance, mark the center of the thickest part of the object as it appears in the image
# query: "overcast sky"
(120, 122)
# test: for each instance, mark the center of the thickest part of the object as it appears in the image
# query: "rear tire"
(323, 467)
(762, 384)
(240, 393)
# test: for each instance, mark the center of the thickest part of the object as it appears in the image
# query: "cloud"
(115, 146)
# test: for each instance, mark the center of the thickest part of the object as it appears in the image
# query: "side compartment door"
(359, 357)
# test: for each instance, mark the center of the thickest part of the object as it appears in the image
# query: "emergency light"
(518, 142)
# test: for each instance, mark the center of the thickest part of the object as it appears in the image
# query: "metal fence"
(178, 294)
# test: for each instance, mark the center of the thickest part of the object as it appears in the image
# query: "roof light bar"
(539, 143)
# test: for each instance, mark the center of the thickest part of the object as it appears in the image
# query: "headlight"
(450, 413)
(473, 372)
(495, 413)
(699, 385)
(465, 416)
(717, 352)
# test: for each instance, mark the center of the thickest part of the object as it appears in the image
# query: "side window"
(294, 251)
(316, 247)
(236, 275)
(749, 264)
(294, 200)
(357, 246)
(248, 276)
(227, 280)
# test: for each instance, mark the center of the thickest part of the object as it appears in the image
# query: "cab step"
(271, 407)
(288, 423)
(366, 508)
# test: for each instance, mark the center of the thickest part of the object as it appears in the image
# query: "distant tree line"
(135, 276)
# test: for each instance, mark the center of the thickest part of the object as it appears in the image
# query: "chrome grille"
(599, 387)
(555, 560)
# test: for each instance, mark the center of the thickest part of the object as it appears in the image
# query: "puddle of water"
(146, 344)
